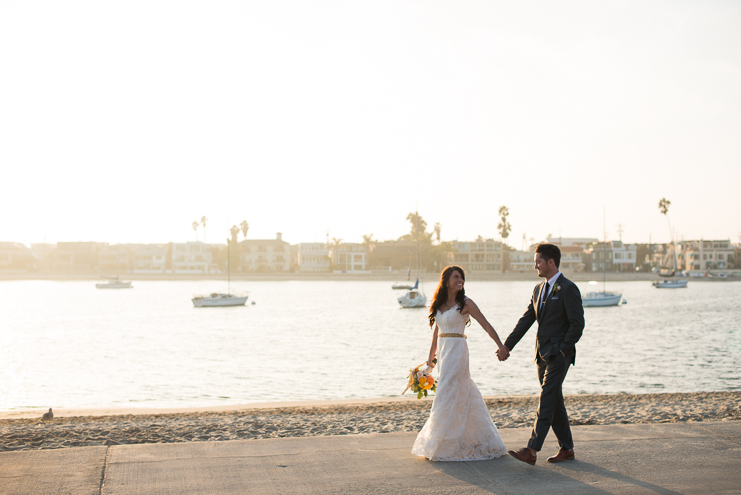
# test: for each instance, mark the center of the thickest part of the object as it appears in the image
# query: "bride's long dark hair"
(441, 293)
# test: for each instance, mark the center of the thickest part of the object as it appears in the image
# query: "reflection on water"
(66, 344)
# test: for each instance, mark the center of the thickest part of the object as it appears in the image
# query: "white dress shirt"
(551, 282)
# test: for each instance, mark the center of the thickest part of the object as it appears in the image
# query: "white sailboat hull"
(600, 299)
(114, 284)
(413, 299)
(670, 284)
(219, 300)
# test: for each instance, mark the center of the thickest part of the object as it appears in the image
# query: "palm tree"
(504, 229)
(195, 229)
(245, 227)
(203, 222)
(436, 229)
(418, 223)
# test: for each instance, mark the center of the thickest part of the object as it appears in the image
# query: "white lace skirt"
(459, 427)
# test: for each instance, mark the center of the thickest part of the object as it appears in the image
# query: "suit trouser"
(551, 409)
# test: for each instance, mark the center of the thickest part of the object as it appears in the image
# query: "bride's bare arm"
(474, 311)
(433, 347)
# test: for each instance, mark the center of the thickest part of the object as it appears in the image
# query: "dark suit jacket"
(560, 321)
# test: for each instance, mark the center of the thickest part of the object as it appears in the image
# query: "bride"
(459, 427)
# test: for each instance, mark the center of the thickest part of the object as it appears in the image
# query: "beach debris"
(48, 416)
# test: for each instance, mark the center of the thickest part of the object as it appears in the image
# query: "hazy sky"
(126, 121)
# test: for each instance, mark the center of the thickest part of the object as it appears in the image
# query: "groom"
(556, 305)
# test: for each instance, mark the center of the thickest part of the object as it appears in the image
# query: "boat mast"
(228, 267)
(416, 223)
(604, 252)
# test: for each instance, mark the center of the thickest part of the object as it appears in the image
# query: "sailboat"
(218, 299)
(674, 282)
(114, 283)
(604, 298)
(414, 297)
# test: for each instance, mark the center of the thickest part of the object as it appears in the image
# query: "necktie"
(545, 293)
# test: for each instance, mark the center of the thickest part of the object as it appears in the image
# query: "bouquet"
(420, 381)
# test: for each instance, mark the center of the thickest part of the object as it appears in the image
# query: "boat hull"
(670, 284)
(413, 299)
(219, 302)
(600, 299)
(114, 285)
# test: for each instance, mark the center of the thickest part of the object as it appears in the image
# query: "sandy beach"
(111, 427)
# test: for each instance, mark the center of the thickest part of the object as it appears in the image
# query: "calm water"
(66, 344)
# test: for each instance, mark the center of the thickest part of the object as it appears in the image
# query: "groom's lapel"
(550, 294)
(538, 311)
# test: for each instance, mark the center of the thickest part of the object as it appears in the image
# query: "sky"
(127, 121)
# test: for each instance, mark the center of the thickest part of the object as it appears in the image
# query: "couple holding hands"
(460, 427)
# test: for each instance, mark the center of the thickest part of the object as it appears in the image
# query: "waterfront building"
(264, 255)
(572, 258)
(15, 256)
(76, 257)
(521, 261)
(479, 255)
(349, 257)
(313, 257)
(397, 255)
(149, 258)
(705, 255)
(188, 258)
(114, 259)
(42, 253)
(613, 256)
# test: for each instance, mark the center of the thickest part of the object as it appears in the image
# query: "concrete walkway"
(686, 458)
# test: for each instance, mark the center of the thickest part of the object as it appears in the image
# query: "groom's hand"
(503, 353)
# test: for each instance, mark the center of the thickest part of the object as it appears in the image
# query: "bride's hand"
(503, 353)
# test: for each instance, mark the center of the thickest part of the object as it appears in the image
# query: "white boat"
(604, 298)
(599, 299)
(114, 283)
(217, 300)
(413, 298)
(670, 284)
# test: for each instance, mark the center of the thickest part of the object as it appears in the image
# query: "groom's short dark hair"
(549, 252)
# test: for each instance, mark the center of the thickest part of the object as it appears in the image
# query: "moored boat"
(114, 283)
(218, 300)
(670, 284)
(599, 299)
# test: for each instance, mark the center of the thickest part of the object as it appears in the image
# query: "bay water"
(68, 344)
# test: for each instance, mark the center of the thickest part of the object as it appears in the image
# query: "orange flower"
(430, 380)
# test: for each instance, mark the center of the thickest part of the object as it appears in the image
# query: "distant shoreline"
(377, 275)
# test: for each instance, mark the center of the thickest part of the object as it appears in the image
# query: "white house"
(189, 257)
(149, 258)
(265, 255)
(313, 257)
(349, 257)
(705, 255)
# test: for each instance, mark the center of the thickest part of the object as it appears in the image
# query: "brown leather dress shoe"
(563, 455)
(524, 455)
